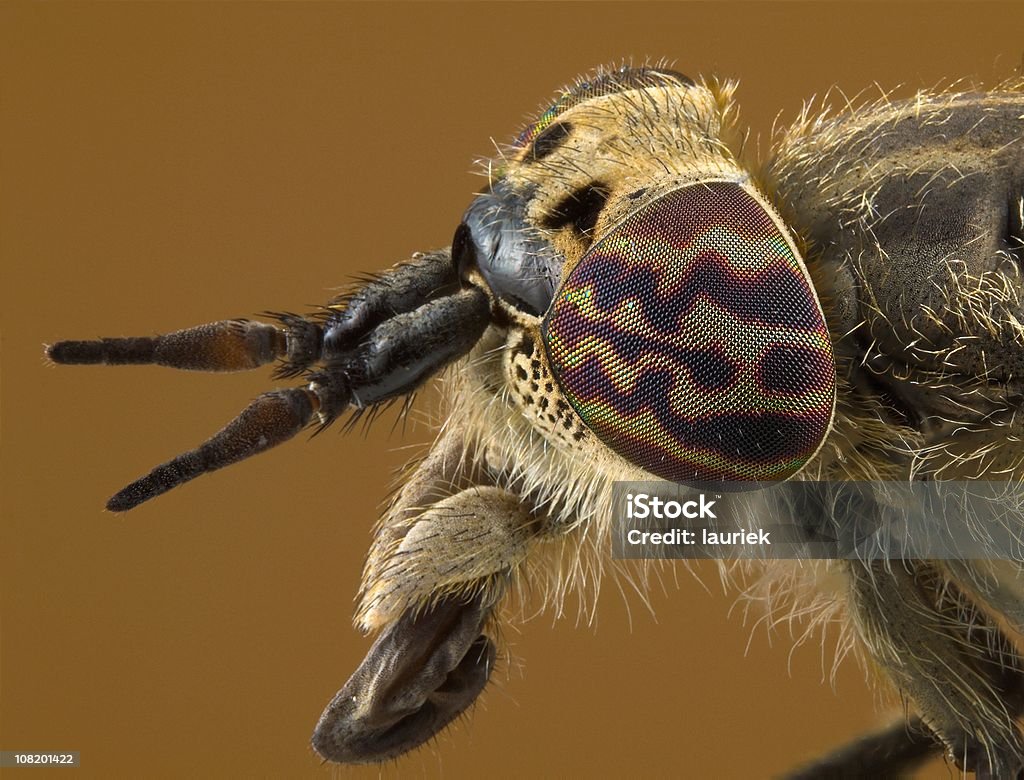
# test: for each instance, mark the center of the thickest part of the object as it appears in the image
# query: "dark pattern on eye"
(764, 297)
(793, 370)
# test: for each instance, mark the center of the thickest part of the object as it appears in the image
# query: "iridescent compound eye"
(690, 340)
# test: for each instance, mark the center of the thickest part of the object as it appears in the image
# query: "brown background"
(165, 165)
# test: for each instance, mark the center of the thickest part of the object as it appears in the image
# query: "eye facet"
(690, 340)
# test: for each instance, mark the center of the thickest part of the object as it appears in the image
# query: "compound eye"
(691, 341)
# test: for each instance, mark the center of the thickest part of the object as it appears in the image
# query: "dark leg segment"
(960, 645)
(894, 751)
(935, 642)
(393, 360)
(383, 341)
(239, 345)
(939, 648)
(271, 419)
(396, 357)
(422, 672)
(401, 289)
(227, 345)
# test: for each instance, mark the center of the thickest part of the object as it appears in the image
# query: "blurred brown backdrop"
(165, 165)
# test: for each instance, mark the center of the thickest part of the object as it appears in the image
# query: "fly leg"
(925, 625)
(948, 657)
(893, 751)
(442, 558)
(421, 673)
